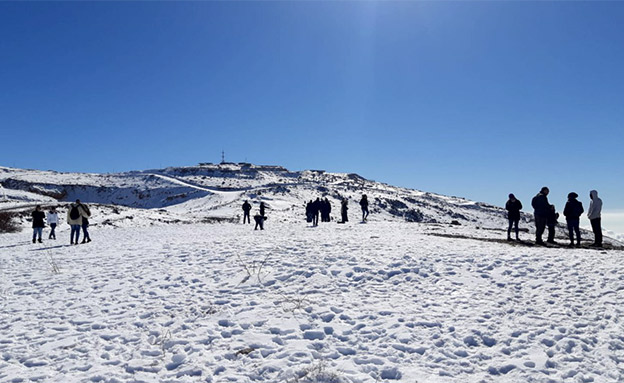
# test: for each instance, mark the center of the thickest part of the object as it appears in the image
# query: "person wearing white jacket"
(52, 218)
(595, 207)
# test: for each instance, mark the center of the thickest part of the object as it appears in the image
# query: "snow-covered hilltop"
(443, 300)
(217, 191)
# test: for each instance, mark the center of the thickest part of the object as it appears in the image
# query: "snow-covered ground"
(382, 301)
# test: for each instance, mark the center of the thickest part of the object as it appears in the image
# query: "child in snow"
(551, 223)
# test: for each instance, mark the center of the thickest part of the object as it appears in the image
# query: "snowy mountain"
(427, 291)
(217, 192)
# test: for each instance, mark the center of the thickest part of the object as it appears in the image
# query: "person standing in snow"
(316, 208)
(74, 220)
(309, 211)
(572, 211)
(52, 218)
(327, 205)
(262, 207)
(595, 208)
(37, 223)
(343, 210)
(246, 210)
(513, 207)
(552, 223)
(364, 205)
(322, 209)
(260, 218)
(85, 224)
(541, 206)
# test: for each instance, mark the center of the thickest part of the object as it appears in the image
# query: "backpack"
(74, 213)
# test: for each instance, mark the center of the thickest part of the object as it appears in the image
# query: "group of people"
(319, 208)
(258, 218)
(323, 208)
(78, 216)
(344, 207)
(547, 216)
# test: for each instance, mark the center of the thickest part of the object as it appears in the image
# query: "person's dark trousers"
(52, 231)
(345, 218)
(315, 218)
(551, 233)
(595, 223)
(259, 222)
(85, 234)
(513, 223)
(540, 226)
(75, 229)
(573, 227)
(246, 217)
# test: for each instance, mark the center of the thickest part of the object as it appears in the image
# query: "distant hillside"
(218, 190)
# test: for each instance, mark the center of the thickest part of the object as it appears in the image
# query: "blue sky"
(474, 99)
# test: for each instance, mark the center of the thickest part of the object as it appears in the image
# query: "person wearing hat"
(541, 207)
(572, 211)
(513, 207)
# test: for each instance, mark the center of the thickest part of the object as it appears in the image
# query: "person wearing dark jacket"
(513, 207)
(38, 217)
(364, 205)
(552, 223)
(343, 210)
(309, 211)
(246, 210)
(259, 220)
(316, 208)
(85, 224)
(541, 206)
(327, 210)
(573, 211)
(262, 207)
